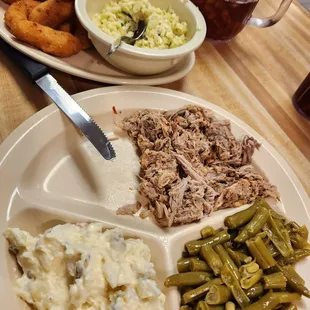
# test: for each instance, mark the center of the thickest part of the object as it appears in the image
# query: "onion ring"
(54, 42)
(76, 28)
(66, 27)
(52, 13)
(82, 34)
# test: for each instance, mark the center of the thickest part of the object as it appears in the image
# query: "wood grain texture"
(254, 77)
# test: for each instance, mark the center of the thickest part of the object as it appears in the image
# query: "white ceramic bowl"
(144, 61)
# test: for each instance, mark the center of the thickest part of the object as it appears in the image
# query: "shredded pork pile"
(193, 165)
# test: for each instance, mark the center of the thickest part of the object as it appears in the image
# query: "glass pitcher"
(226, 18)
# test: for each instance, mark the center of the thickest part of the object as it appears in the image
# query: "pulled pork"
(192, 164)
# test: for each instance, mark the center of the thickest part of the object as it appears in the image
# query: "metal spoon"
(141, 27)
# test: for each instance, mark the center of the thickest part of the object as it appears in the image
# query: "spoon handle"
(139, 32)
(118, 43)
(114, 47)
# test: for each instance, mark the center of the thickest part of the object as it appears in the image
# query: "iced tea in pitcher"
(226, 18)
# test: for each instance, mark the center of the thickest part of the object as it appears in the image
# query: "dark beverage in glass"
(301, 98)
(226, 18)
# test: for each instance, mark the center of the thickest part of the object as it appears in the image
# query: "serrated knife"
(39, 73)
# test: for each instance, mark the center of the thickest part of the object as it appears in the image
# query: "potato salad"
(84, 266)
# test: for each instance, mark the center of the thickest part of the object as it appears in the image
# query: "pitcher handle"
(267, 22)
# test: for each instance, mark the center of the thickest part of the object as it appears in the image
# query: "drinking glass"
(226, 18)
(301, 98)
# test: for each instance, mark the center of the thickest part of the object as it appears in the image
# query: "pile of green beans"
(246, 265)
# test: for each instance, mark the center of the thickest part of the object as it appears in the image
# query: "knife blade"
(77, 115)
(39, 73)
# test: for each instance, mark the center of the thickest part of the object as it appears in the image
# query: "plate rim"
(16, 135)
(70, 69)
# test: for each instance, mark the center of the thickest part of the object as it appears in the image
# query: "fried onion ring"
(52, 13)
(54, 42)
(76, 28)
(66, 27)
(82, 34)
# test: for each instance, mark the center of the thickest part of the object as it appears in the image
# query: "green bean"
(185, 254)
(298, 243)
(230, 306)
(193, 247)
(255, 291)
(272, 249)
(183, 264)
(215, 307)
(261, 234)
(248, 269)
(233, 284)
(267, 302)
(242, 217)
(281, 260)
(228, 244)
(201, 305)
(233, 233)
(290, 226)
(293, 273)
(239, 257)
(199, 265)
(212, 258)
(273, 213)
(185, 289)
(207, 231)
(218, 295)
(248, 260)
(235, 257)
(299, 235)
(250, 274)
(284, 232)
(296, 256)
(293, 282)
(188, 278)
(185, 308)
(286, 297)
(272, 300)
(293, 259)
(260, 253)
(274, 281)
(200, 291)
(254, 226)
(244, 254)
(225, 258)
(278, 239)
(289, 307)
(247, 283)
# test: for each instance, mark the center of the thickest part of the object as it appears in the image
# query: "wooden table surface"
(254, 77)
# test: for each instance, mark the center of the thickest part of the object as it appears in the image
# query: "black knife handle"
(34, 69)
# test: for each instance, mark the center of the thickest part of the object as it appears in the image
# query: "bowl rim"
(188, 47)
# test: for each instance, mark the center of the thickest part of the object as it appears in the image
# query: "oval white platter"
(49, 174)
(90, 65)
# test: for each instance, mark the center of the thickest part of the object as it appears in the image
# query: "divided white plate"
(49, 173)
(90, 65)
